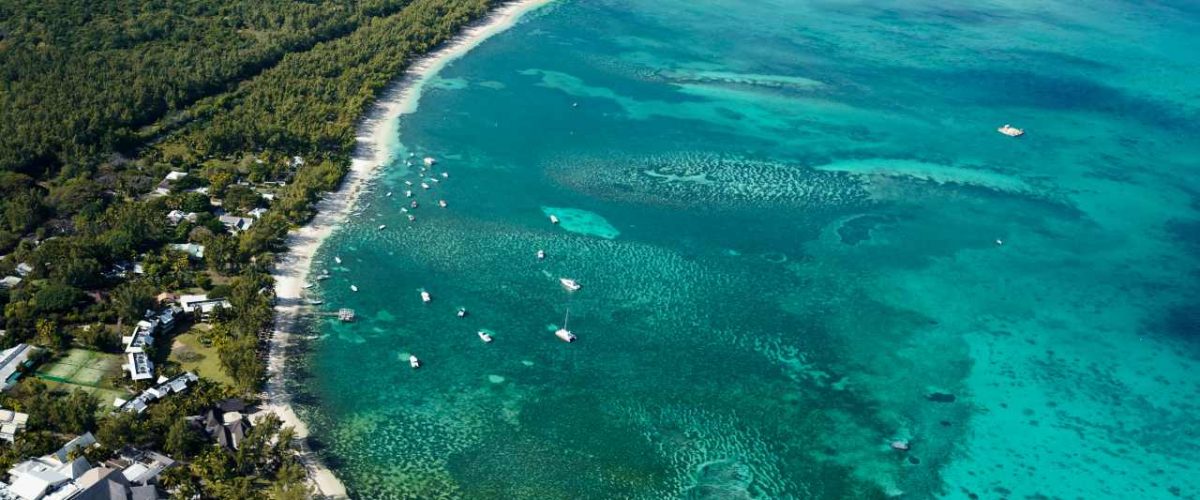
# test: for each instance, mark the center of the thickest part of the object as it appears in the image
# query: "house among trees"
(177, 216)
(164, 187)
(235, 223)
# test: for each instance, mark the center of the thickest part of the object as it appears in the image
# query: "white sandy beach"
(376, 145)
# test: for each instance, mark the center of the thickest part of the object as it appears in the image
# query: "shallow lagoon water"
(797, 233)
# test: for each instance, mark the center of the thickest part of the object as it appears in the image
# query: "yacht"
(570, 284)
(353, 288)
(442, 203)
(408, 194)
(487, 339)
(1010, 131)
(445, 175)
(424, 186)
(407, 183)
(425, 297)
(314, 302)
(462, 312)
(541, 254)
(389, 195)
(337, 259)
(563, 333)
(382, 227)
(553, 219)
(413, 361)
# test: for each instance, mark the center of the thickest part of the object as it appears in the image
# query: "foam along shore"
(376, 144)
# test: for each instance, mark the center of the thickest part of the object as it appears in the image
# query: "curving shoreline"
(374, 148)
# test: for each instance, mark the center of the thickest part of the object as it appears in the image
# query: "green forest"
(251, 107)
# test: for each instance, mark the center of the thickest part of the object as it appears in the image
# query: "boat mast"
(565, 318)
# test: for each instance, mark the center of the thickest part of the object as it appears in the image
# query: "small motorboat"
(563, 333)
(412, 155)
(429, 161)
(407, 183)
(487, 339)
(413, 204)
(900, 445)
(541, 254)
(1011, 131)
(323, 277)
(408, 194)
(411, 217)
(433, 180)
(389, 194)
(424, 186)
(413, 361)
(425, 297)
(442, 203)
(353, 288)
(337, 259)
(314, 302)
(382, 227)
(570, 284)
(445, 175)
(553, 219)
(999, 242)
(309, 285)
(462, 312)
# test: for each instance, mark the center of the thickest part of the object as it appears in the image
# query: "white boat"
(425, 297)
(429, 161)
(1010, 131)
(462, 312)
(413, 361)
(445, 175)
(323, 277)
(424, 186)
(412, 155)
(570, 284)
(408, 194)
(411, 217)
(308, 285)
(353, 288)
(337, 259)
(553, 219)
(389, 195)
(442, 203)
(382, 227)
(563, 333)
(407, 183)
(433, 180)
(314, 302)
(487, 339)
(541, 254)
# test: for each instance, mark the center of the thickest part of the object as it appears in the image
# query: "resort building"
(139, 365)
(226, 423)
(164, 388)
(131, 476)
(11, 424)
(10, 282)
(11, 360)
(201, 306)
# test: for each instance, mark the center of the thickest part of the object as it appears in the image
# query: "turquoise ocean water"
(800, 238)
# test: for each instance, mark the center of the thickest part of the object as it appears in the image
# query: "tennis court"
(91, 371)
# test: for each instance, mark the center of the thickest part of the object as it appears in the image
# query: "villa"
(235, 223)
(139, 366)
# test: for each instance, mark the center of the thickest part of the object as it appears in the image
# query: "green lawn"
(96, 373)
(194, 356)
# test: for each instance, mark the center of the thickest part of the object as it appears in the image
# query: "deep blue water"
(800, 239)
